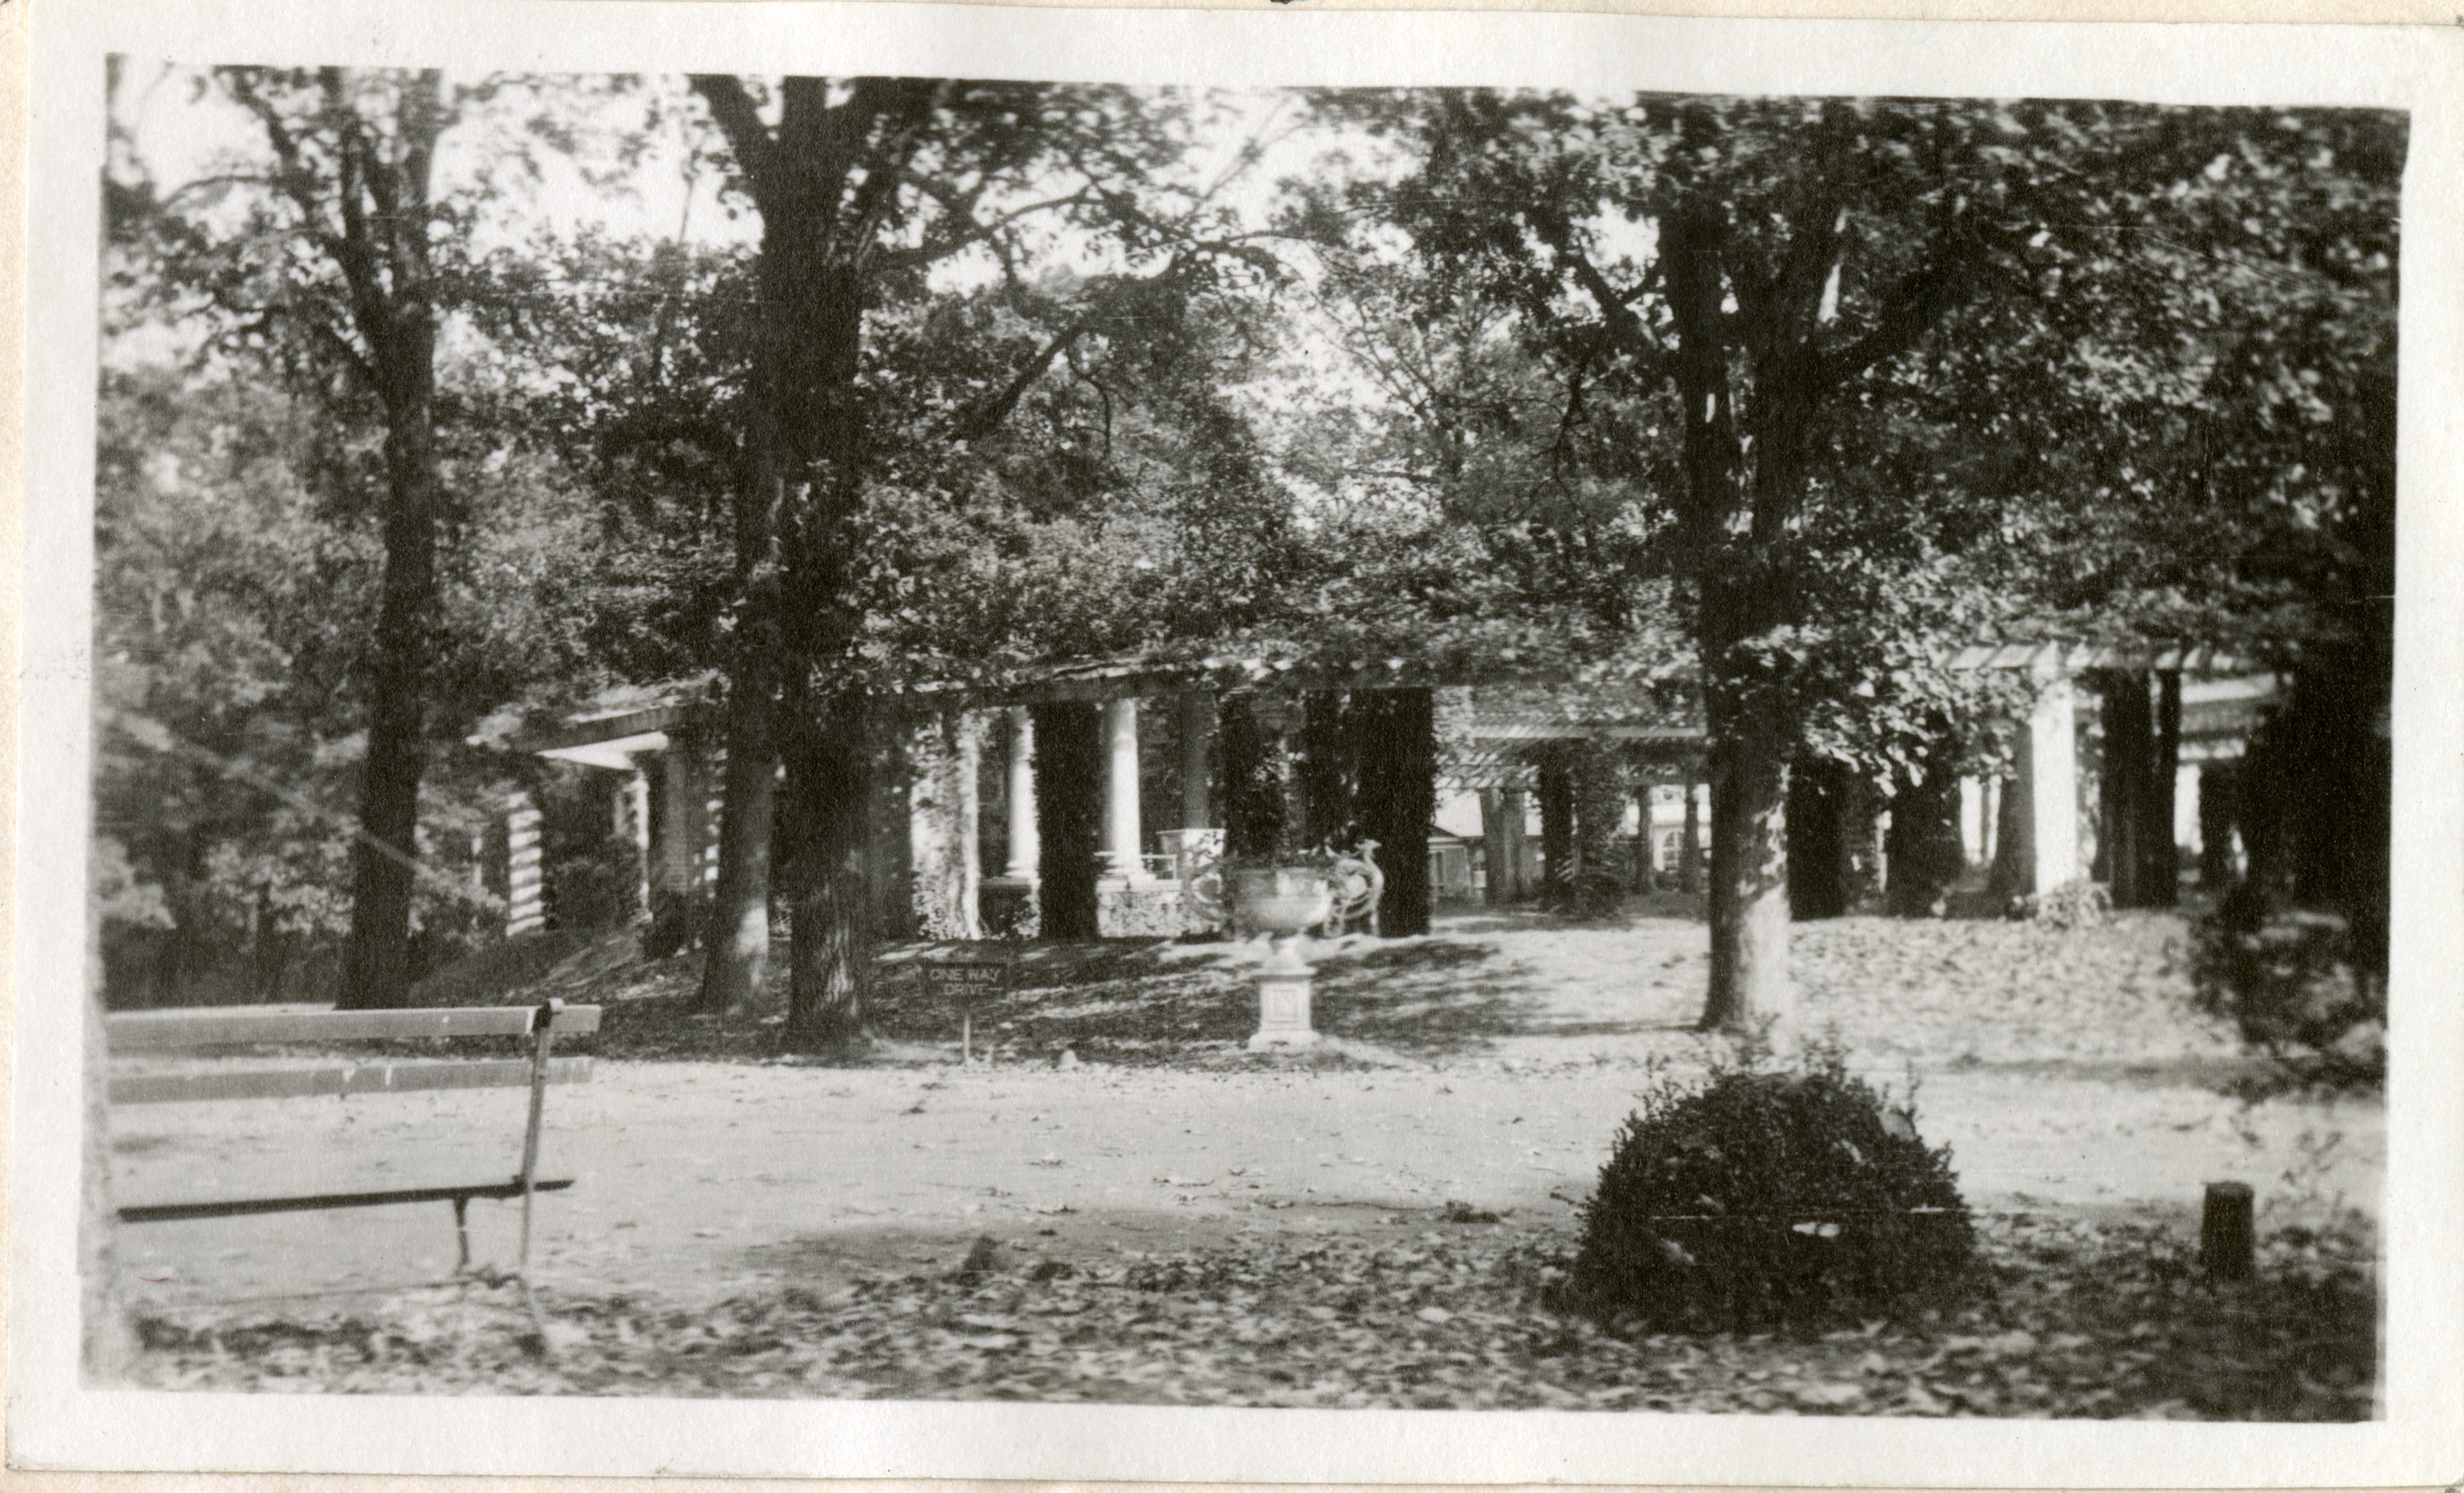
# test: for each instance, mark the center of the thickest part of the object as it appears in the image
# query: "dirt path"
(1487, 1065)
(699, 1177)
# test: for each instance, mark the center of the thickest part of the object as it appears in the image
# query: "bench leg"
(462, 1232)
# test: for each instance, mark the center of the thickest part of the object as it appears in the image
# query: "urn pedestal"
(1282, 904)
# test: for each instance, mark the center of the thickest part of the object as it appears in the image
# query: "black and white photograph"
(1653, 744)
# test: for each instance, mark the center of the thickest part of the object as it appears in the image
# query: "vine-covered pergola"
(1075, 799)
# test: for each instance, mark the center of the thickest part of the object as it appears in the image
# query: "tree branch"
(976, 232)
(728, 103)
(354, 250)
(988, 417)
(1625, 329)
(1917, 304)
(297, 178)
(628, 434)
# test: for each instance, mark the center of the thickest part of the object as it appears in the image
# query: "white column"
(1025, 852)
(633, 819)
(1974, 820)
(1121, 837)
(2186, 809)
(970, 747)
(2052, 768)
(1992, 821)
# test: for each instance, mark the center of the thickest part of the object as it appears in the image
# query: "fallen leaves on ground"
(2111, 999)
(2068, 1319)
(1997, 992)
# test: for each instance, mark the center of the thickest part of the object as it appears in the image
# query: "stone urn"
(1282, 903)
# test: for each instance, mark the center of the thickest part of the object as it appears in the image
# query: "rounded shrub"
(2299, 984)
(1764, 1196)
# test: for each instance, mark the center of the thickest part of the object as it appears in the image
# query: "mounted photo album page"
(981, 742)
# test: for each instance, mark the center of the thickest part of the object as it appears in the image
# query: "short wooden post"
(2228, 1244)
(543, 1040)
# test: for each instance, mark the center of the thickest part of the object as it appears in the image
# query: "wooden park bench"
(189, 1031)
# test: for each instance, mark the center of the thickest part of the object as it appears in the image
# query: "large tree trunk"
(1396, 742)
(377, 965)
(1747, 464)
(372, 220)
(735, 964)
(809, 429)
(829, 823)
(1748, 871)
(1069, 814)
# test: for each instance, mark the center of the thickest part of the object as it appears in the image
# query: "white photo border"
(55, 1423)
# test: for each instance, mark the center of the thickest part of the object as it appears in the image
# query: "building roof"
(2077, 657)
(2224, 696)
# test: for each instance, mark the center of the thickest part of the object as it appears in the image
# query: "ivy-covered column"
(1689, 847)
(1817, 840)
(2219, 802)
(1328, 767)
(1197, 722)
(1642, 869)
(1599, 815)
(1926, 847)
(1070, 814)
(1396, 740)
(1495, 866)
(1257, 779)
(886, 788)
(1556, 826)
(1514, 821)
(2161, 867)
(684, 826)
(2125, 784)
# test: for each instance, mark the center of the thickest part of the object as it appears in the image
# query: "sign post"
(967, 978)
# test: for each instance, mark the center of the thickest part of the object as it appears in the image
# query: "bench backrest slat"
(165, 1031)
(373, 1078)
